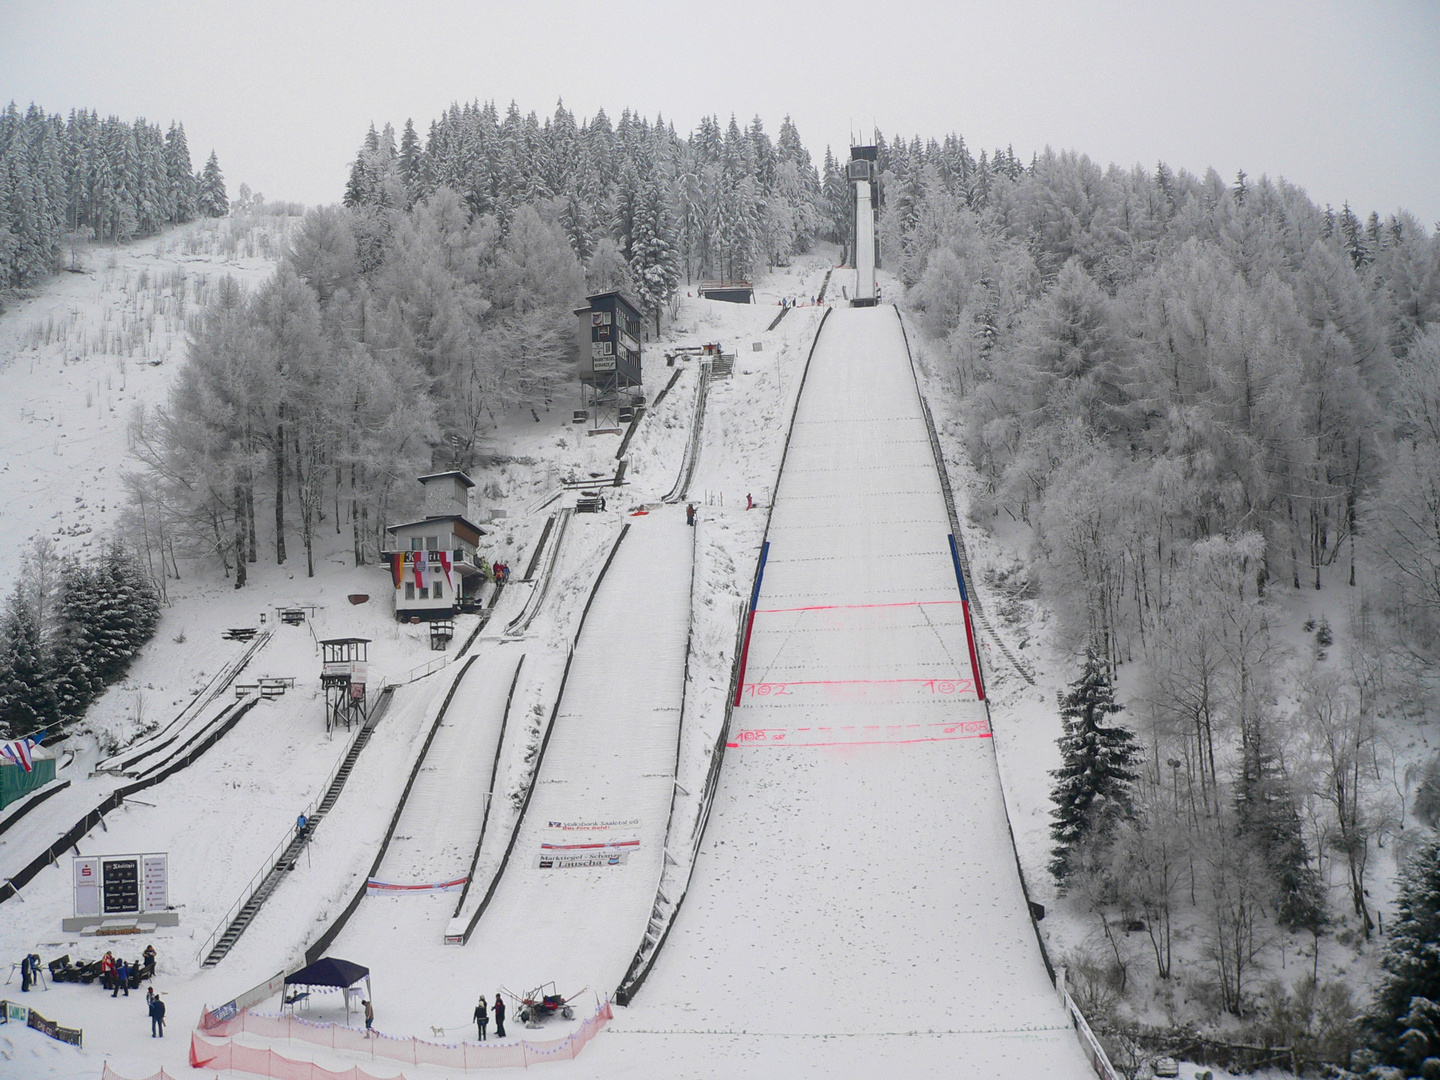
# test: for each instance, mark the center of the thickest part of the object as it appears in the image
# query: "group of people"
(691, 513)
(482, 1019)
(118, 975)
(501, 572)
(29, 971)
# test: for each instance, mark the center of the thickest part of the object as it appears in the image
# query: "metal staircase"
(722, 366)
(285, 861)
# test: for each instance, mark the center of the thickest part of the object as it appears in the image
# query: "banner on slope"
(570, 845)
(376, 887)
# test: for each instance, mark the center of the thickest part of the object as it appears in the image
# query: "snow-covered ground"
(76, 362)
(827, 910)
(855, 908)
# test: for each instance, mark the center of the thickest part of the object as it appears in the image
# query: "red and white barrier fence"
(107, 1073)
(213, 1047)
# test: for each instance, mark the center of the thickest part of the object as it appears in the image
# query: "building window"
(432, 543)
(416, 544)
(409, 590)
(439, 590)
(424, 592)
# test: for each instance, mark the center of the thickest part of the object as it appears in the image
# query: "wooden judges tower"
(343, 677)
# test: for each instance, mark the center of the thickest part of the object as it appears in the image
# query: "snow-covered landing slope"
(607, 774)
(856, 909)
(606, 780)
(435, 837)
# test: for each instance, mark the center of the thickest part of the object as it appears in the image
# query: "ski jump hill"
(856, 908)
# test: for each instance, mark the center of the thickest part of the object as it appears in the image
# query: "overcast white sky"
(1340, 98)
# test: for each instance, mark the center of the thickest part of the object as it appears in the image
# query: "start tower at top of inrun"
(863, 172)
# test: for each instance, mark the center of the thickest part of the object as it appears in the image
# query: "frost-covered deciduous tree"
(1403, 513)
(607, 270)
(1342, 741)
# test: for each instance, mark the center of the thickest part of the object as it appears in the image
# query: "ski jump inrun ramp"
(856, 909)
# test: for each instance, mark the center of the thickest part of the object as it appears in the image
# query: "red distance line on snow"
(944, 687)
(853, 607)
(968, 729)
(373, 885)
(590, 847)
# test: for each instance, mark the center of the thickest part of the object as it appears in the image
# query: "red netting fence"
(107, 1073)
(212, 1047)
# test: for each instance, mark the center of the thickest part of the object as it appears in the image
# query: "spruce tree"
(27, 696)
(1405, 1020)
(179, 176)
(76, 681)
(411, 166)
(1093, 786)
(213, 202)
(1269, 818)
(654, 262)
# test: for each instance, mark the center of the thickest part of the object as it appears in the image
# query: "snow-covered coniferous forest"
(1188, 438)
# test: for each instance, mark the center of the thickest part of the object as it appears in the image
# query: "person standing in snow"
(690, 514)
(122, 978)
(157, 1018)
(369, 1018)
(107, 971)
(482, 1018)
(749, 501)
(499, 1011)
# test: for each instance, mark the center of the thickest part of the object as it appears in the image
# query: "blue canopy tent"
(330, 973)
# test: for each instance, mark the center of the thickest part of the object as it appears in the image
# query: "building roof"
(345, 641)
(453, 472)
(438, 517)
(634, 307)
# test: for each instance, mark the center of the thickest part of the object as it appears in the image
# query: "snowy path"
(857, 881)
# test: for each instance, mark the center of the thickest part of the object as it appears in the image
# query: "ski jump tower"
(861, 172)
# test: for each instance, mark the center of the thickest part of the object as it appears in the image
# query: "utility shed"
(731, 292)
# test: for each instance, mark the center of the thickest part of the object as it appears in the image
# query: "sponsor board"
(579, 843)
(73, 1036)
(571, 860)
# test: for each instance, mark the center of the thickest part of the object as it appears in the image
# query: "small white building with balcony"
(436, 565)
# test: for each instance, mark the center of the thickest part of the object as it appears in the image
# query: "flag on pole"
(397, 567)
(20, 751)
(445, 565)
